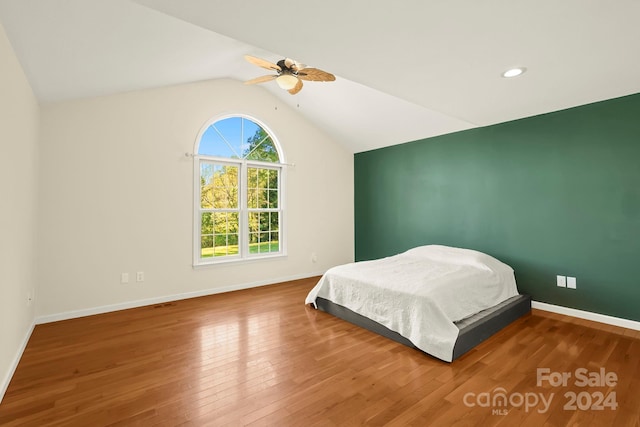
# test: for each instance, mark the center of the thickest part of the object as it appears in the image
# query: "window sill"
(219, 262)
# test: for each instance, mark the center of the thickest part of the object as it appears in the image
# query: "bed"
(438, 299)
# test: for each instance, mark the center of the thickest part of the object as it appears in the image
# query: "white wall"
(116, 193)
(18, 190)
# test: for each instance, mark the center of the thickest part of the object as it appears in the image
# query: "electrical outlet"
(561, 281)
(314, 257)
(124, 278)
(571, 282)
(140, 276)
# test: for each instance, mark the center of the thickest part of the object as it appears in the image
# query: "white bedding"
(420, 293)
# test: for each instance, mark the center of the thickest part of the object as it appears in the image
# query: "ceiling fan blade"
(262, 63)
(297, 88)
(315, 75)
(261, 79)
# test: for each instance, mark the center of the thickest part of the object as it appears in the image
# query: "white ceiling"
(406, 70)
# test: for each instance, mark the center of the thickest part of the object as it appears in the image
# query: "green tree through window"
(261, 147)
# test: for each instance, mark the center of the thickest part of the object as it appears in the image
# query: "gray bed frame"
(473, 330)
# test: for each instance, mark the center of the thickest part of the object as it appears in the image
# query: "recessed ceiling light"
(514, 72)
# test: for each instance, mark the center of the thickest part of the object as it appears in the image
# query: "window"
(239, 193)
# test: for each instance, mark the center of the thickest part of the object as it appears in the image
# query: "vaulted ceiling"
(405, 70)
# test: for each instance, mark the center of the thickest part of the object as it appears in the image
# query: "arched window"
(239, 192)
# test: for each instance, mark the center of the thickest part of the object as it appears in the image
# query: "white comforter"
(421, 292)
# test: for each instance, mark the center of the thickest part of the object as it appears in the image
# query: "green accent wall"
(552, 194)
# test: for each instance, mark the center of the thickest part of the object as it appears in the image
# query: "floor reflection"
(239, 356)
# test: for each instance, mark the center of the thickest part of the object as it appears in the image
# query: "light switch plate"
(561, 281)
(571, 282)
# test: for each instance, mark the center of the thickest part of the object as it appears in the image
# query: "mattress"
(421, 293)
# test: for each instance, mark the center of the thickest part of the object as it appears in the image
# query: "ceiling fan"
(289, 74)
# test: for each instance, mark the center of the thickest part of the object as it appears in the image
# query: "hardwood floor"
(260, 357)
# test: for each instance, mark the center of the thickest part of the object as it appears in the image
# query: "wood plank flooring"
(259, 357)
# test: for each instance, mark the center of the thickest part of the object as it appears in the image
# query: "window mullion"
(244, 215)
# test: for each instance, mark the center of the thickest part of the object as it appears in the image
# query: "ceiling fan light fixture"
(514, 72)
(287, 81)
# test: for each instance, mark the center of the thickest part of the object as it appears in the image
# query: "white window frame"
(243, 233)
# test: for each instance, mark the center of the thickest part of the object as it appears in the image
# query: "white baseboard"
(167, 298)
(587, 315)
(4, 385)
